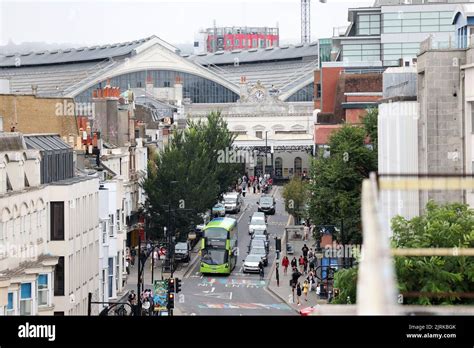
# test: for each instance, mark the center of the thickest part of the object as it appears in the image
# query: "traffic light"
(177, 284)
(171, 285)
(170, 304)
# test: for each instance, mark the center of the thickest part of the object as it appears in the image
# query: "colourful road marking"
(252, 306)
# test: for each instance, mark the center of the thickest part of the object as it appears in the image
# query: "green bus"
(219, 246)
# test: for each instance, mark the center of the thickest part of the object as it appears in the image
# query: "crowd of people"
(257, 184)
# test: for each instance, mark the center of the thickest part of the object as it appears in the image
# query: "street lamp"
(266, 151)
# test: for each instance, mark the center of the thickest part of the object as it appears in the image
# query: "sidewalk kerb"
(268, 287)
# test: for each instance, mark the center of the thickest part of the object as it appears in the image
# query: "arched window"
(198, 89)
(298, 169)
(278, 167)
(304, 94)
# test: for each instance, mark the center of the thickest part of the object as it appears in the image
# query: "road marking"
(251, 306)
(217, 295)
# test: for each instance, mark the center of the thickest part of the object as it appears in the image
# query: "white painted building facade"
(49, 237)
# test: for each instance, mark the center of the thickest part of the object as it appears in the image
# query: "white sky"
(89, 22)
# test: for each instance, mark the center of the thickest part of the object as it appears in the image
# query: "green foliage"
(188, 175)
(346, 281)
(337, 182)
(296, 196)
(370, 124)
(442, 226)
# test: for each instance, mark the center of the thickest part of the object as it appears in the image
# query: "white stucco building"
(48, 228)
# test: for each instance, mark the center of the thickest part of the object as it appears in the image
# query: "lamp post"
(266, 151)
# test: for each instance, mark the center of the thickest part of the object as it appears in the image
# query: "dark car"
(266, 204)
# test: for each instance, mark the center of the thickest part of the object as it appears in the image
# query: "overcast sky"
(89, 22)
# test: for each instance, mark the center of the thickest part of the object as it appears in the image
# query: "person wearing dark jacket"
(294, 262)
(295, 276)
(298, 293)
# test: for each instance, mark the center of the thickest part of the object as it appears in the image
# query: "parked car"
(266, 204)
(218, 209)
(251, 264)
(182, 252)
(261, 252)
(257, 222)
(232, 202)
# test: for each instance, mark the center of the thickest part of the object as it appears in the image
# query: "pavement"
(283, 290)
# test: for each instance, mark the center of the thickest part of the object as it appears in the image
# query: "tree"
(186, 177)
(295, 194)
(442, 226)
(370, 124)
(337, 181)
(346, 281)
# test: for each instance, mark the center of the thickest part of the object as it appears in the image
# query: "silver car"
(251, 264)
(257, 223)
(260, 252)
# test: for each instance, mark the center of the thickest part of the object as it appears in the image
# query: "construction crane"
(306, 20)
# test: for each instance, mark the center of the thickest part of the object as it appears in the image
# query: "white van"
(232, 202)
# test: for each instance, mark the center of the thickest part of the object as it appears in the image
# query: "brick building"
(343, 95)
(29, 113)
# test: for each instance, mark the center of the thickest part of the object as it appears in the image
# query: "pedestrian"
(156, 256)
(295, 276)
(305, 232)
(285, 262)
(254, 185)
(305, 250)
(277, 274)
(132, 299)
(133, 253)
(301, 263)
(294, 263)
(298, 293)
(305, 290)
(310, 254)
(261, 270)
(127, 266)
(305, 265)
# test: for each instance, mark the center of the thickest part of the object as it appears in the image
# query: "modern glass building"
(392, 30)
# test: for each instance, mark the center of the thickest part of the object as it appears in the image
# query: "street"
(239, 293)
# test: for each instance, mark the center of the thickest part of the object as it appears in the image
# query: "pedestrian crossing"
(250, 306)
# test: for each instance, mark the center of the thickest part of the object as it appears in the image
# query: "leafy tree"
(295, 194)
(370, 124)
(186, 177)
(346, 281)
(442, 226)
(337, 182)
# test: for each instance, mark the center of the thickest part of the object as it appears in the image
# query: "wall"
(80, 247)
(440, 126)
(30, 114)
(398, 154)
